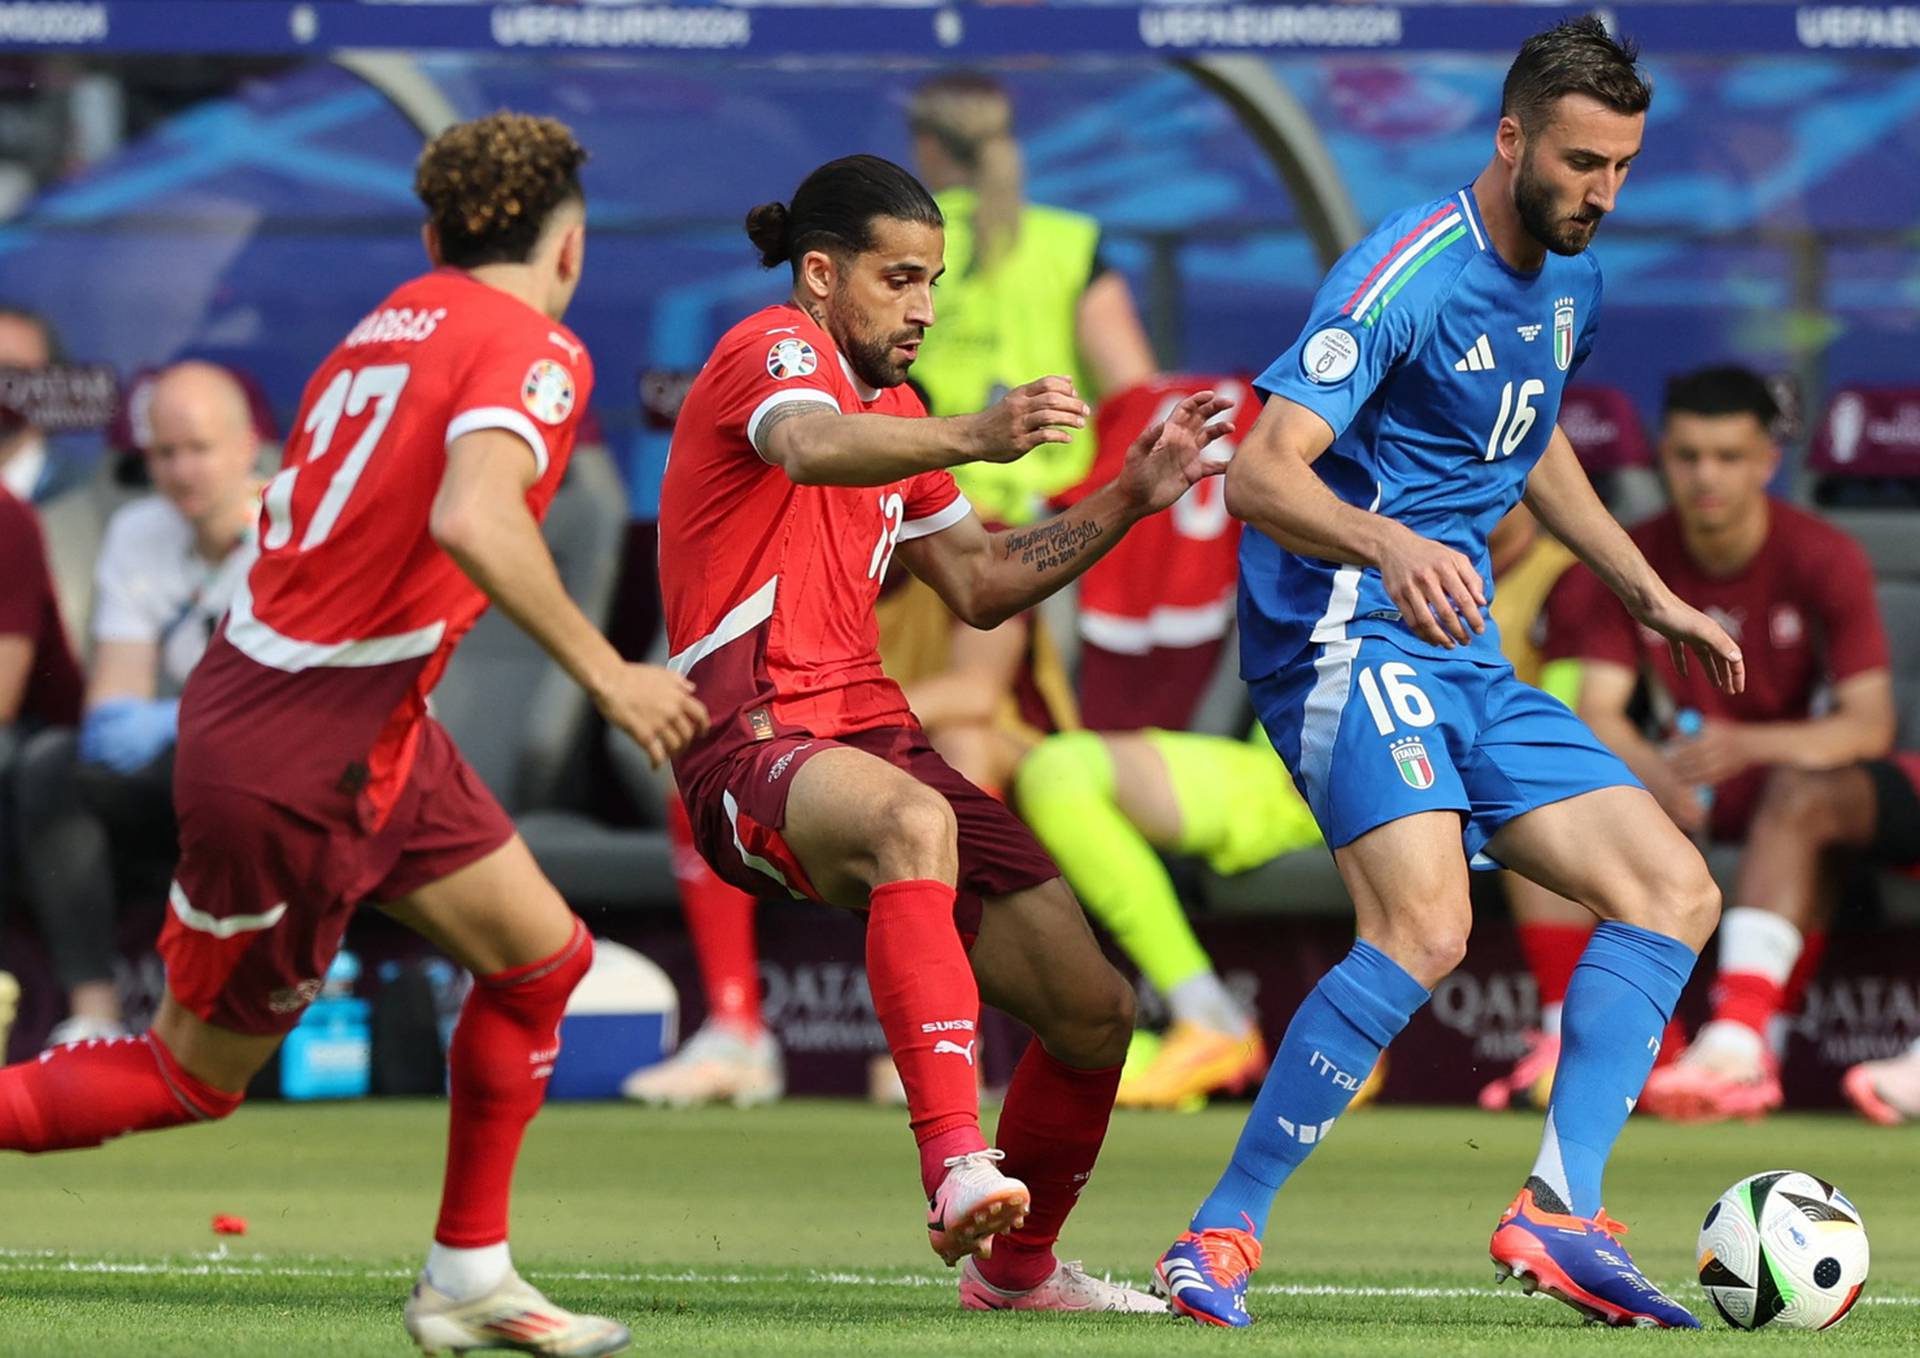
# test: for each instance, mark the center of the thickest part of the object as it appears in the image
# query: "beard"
(870, 356)
(1533, 200)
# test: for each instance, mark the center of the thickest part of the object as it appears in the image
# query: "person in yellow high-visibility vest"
(1026, 293)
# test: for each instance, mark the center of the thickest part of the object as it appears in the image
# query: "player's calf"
(74, 1097)
(503, 1052)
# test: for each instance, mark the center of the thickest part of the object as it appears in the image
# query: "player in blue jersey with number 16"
(1416, 408)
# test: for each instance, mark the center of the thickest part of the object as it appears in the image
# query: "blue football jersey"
(1439, 369)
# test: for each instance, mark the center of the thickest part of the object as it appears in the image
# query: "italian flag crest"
(1410, 757)
(1563, 333)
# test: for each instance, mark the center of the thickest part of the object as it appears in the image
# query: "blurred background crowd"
(206, 227)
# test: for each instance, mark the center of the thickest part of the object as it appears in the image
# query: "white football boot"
(716, 1065)
(1068, 1288)
(973, 1204)
(512, 1316)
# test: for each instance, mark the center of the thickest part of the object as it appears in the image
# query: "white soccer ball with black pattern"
(1785, 1250)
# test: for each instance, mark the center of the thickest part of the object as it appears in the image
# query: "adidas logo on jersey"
(1478, 359)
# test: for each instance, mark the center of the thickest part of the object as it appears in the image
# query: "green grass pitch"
(796, 1230)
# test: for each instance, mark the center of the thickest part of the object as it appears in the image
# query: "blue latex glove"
(127, 734)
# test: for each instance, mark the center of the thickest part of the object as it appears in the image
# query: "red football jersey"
(769, 586)
(1171, 581)
(1803, 612)
(349, 576)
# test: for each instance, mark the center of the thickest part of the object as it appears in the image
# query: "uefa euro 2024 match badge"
(791, 358)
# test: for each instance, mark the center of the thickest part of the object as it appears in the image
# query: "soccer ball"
(1783, 1249)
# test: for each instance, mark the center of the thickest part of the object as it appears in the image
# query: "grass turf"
(797, 1229)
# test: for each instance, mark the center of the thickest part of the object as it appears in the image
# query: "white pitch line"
(310, 1266)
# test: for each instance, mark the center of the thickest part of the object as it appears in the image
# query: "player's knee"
(1094, 1031)
(1684, 901)
(1436, 954)
(1796, 802)
(1067, 765)
(918, 827)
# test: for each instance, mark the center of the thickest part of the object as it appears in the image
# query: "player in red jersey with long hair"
(310, 777)
(800, 464)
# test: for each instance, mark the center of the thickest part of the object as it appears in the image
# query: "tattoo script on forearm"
(1053, 544)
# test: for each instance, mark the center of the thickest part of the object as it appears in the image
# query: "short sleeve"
(24, 582)
(1369, 314)
(1583, 620)
(1856, 639)
(125, 604)
(762, 371)
(934, 503)
(530, 384)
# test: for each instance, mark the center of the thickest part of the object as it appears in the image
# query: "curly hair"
(490, 185)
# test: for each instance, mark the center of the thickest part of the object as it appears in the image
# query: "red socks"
(1552, 952)
(503, 1052)
(82, 1095)
(1747, 998)
(928, 1004)
(1754, 1000)
(720, 922)
(1051, 1128)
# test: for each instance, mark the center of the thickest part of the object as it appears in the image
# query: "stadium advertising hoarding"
(932, 30)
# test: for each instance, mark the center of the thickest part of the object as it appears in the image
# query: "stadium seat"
(1604, 427)
(521, 721)
(1304, 882)
(1900, 607)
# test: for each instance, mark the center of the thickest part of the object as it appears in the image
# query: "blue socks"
(1622, 995)
(1334, 1039)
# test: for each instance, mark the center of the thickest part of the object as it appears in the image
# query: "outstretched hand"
(1687, 629)
(1172, 455)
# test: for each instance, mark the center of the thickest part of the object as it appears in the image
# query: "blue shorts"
(1373, 733)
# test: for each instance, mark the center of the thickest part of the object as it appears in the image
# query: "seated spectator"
(26, 341)
(1869, 811)
(1797, 594)
(39, 679)
(97, 806)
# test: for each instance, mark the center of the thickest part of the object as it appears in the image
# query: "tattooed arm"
(986, 578)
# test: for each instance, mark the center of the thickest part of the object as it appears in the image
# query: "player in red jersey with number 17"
(310, 777)
(800, 464)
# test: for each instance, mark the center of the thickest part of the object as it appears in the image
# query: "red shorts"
(1896, 792)
(1160, 688)
(737, 801)
(265, 886)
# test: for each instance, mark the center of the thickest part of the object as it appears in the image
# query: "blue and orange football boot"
(1204, 1275)
(1580, 1261)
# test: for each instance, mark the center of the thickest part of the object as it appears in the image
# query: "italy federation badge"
(1410, 757)
(1563, 333)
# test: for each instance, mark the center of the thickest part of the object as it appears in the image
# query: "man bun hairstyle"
(769, 227)
(834, 209)
(1725, 389)
(490, 185)
(1575, 56)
